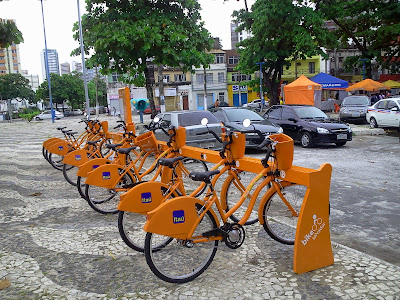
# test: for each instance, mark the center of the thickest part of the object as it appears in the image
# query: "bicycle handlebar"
(213, 133)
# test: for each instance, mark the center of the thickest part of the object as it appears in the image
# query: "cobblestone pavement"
(54, 246)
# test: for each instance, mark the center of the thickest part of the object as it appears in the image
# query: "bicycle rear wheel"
(279, 221)
(56, 161)
(130, 226)
(81, 186)
(69, 173)
(180, 261)
(104, 200)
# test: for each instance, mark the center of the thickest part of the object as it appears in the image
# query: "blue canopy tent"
(329, 84)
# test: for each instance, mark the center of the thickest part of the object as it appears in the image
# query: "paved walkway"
(54, 246)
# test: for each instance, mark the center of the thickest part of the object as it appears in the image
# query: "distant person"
(114, 111)
(374, 99)
(337, 96)
(216, 104)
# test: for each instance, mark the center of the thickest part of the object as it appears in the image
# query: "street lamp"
(261, 76)
(83, 64)
(47, 66)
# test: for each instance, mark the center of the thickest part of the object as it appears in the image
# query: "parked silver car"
(354, 108)
(191, 120)
(47, 115)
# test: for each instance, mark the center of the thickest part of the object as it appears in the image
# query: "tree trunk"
(149, 90)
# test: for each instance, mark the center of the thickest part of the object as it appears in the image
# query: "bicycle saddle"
(203, 176)
(93, 142)
(125, 150)
(113, 146)
(169, 162)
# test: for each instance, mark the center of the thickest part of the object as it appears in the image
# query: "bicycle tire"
(69, 173)
(278, 220)
(81, 187)
(55, 161)
(177, 263)
(104, 200)
(130, 227)
(233, 194)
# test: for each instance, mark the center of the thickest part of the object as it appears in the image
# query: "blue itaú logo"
(106, 175)
(60, 148)
(78, 157)
(146, 197)
(95, 166)
(178, 216)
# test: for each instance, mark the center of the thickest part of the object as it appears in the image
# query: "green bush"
(30, 115)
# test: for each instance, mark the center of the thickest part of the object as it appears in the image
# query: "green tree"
(101, 91)
(282, 31)
(126, 34)
(372, 26)
(13, 86)
(9, 33)
(68, 87)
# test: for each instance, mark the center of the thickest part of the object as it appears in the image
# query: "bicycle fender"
(104, 176)
(76, 158)
(143, 197)
(175, 218)
(60, 148)
(90, 165)
(265, 198)
(51, 141)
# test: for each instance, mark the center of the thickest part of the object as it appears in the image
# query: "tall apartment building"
(77, 66)
(54, 66)
(9, 58)
(65, 68)
(33, 79)
(237, 37)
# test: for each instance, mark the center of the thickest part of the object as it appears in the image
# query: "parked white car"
(384, 113)
(47, 115)
(254, 104)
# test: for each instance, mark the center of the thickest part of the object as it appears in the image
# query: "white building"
(52, 57)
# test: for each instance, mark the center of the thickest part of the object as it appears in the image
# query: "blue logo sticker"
(95, 166)
(178, 216)
(78, 157)
(146, 197)
(60, 148)
(106, 175)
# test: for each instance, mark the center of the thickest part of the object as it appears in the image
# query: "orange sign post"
(125, 96)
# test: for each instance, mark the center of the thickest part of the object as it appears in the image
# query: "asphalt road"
(365, 192)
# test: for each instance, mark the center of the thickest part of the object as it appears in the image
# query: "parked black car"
(309, 125)
(232, 117)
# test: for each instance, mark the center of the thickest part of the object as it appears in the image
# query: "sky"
(60, 15)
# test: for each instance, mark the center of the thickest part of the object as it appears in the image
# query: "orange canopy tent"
(367, 85)
(303, 91)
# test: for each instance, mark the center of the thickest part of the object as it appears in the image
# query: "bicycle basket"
(147, 141)
(284, 150)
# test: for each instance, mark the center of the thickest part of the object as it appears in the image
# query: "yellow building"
(308, 67)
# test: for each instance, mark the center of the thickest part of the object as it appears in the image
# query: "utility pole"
(261, 89)
(363, 61)
(97, 93)
(161, 87)
(205, 88)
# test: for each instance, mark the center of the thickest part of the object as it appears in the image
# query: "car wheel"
(306, 140)
(37, 119)
(373, 123)
(340, 144)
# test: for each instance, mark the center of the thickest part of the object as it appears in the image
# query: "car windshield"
(238, 115)
(356, 100)
(190, 119)
(310, 112)
(398, 102)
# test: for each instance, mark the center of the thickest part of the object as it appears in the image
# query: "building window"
(240, 77)
(233, 60)
(166, 78)
(219, 58)
(180, 77)
(221, 96)
(15, 65)
(114, 77)
(3, 71)
(311, 67)
(200, 78)
(13, 51)
(2, 65)
(221, 77)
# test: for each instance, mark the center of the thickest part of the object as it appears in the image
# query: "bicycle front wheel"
(104, 200)
(181, 261)
(279, 221)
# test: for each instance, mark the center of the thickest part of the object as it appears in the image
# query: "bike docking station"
(312, 247)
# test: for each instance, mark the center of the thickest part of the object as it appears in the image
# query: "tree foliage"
(283, 30)
(126, 34)
(68, 87)
(14, 86)
(372, 26)
(9, 33)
